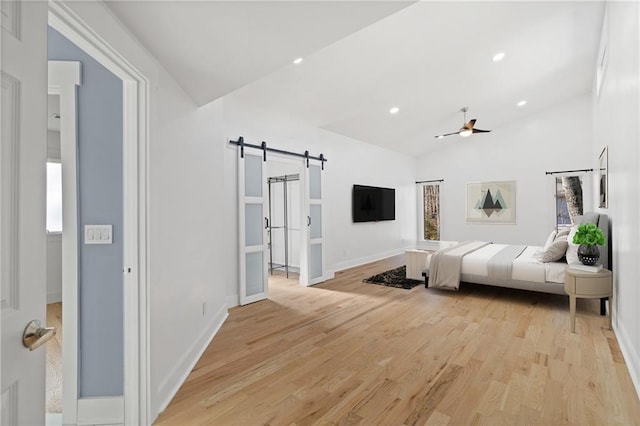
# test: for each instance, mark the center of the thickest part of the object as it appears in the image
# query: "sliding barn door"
(315, 246)
(252, 197)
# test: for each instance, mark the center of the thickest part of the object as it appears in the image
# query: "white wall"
(558, 138)
(349, 162)
(185, 219)
(617, 125)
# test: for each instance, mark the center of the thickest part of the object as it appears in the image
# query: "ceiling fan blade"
(446, 134)
(470, 124)
(480, 131)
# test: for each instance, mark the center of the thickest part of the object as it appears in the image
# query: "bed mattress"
(525, 267)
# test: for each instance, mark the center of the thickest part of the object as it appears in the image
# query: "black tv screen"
(371, 204)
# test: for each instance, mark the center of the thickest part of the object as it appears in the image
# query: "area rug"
(394, 278)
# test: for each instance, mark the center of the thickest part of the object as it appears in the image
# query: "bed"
(478, 260)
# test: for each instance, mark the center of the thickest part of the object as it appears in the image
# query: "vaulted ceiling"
(360, 58)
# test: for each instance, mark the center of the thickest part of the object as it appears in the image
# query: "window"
(54, 197)
(569, 200)
(430, 212)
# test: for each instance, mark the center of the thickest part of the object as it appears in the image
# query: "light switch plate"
(98, 234)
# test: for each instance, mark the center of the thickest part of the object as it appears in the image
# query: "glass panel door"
(253, 226)
(314, 225)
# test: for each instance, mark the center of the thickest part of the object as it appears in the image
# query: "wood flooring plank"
(54, 360)
(349, 353)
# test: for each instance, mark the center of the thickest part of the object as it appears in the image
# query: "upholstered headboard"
(605, 251)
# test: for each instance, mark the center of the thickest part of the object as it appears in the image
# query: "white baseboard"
(367, 259)
(326, 277)
(54, 297)
(101, 411)
(631, 357)
(233, 301)
(175, 378)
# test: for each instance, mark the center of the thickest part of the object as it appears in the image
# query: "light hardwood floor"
(54, 359)
(346, 352)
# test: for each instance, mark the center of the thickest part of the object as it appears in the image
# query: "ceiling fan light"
(464, 133)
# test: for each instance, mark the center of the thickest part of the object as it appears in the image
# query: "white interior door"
(253, 211)
(22, 207)
(315, 246)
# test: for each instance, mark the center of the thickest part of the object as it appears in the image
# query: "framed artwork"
(603, 180)
(491, 202)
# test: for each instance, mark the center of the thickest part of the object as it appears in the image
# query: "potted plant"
(589, 236)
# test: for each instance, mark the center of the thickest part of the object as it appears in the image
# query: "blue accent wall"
(100, 202)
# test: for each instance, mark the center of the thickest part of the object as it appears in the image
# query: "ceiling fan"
(467, 128)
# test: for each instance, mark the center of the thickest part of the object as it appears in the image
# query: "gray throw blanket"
(444, 270)
(501, 263)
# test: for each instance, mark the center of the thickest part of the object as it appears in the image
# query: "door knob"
(35, 335)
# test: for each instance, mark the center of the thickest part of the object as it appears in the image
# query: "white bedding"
(525, 267)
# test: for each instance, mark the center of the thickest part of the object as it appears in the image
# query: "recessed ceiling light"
(498, 57)
(297, 61)
(522, 103)
(394, 110)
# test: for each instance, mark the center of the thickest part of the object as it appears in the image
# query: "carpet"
(394, 278)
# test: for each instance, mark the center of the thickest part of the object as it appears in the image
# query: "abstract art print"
(491, 202)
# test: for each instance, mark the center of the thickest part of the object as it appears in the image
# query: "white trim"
(135, 156)
(631, 357)
(62, 74)
(100, 411)
(366, 259)
(175, 379)
(63, 78)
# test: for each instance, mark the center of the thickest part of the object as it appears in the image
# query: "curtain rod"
(568, 171)
(428, 181)
(240, 142)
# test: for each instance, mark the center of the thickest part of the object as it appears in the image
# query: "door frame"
(63, 77)
(135, 87)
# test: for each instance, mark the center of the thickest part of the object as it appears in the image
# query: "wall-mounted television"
(372, 204)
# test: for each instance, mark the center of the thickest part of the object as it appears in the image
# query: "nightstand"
(586, 285)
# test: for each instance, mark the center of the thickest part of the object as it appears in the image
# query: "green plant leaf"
(590, 234)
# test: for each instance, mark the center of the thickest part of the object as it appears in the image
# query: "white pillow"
(572, 250)
(554, 252)
(550, 239)
(563, 231)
